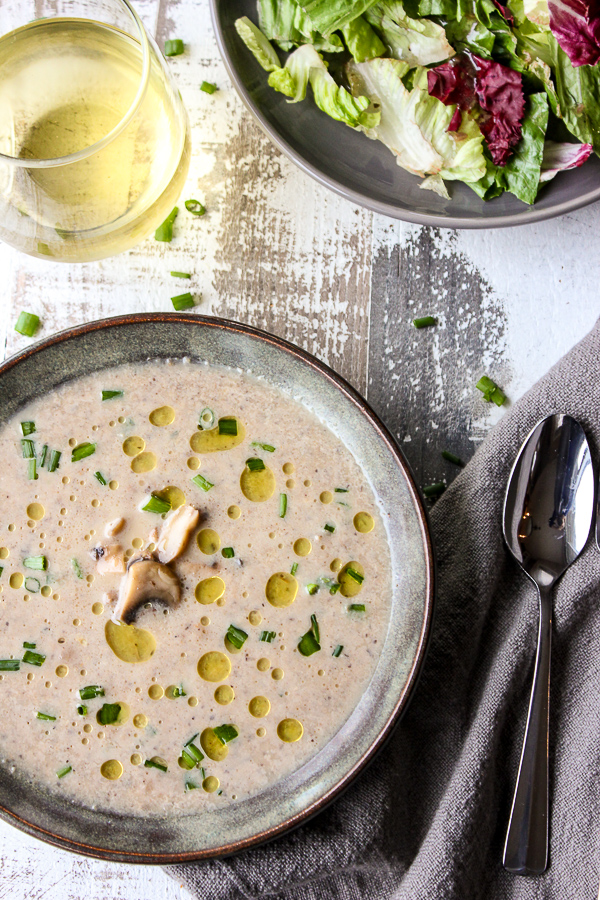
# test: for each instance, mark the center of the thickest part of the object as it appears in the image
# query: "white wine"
(65, 84)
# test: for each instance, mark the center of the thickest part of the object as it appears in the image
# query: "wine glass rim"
(119, 127)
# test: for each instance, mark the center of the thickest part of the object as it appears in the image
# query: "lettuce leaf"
(419, 42)
(576, 26)
(361, 40)
(258, 44)
(415, 126)
(558, 157)
(330, 15)
(286, 23)
(577, 96)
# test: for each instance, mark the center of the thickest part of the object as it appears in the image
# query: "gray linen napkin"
(427, 820)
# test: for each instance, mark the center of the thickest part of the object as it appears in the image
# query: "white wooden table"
(277, 251)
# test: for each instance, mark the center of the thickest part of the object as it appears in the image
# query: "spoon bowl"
(548, 513)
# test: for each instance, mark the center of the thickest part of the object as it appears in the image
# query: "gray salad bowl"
(44, 813)
(365, 171)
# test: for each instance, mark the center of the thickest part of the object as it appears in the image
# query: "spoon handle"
(526, 847)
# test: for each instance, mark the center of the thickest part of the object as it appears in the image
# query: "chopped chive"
(227, 552)
(164, 232)
(294, 569)
(174, 47)
(28, 448)
(341, 503)
(109, 395)
(195, 207)
(91, 691)
(29, 646)
(229, 426)
(356, 576)
(108, 713)
(27, 428)
(434, 490)
(268, 447)
(186, 760)
(33, 658)
(193, 751)
(208, 87)
(54, 460)
(202, 482)
(424, 322)
(82, 710)
(32, 585)
(202, 773)
(27, 324)
(255, 464)
(45, 717)
(451, 457)
(334, 588)
(308, 644)
(156, 504)
(10, 665)
(100, 477)
(182, 301)
(490, 390)
(315, 628)
(236, 636)
(225, 733)
(329, 528)
(312, 588)
(190, 786)
(32, 469)
(268, 636)
(341, 490)
(156, 763)
(39, 563)
(178, 692)
(180, 275)
(64, 771)
(43, 456)
(282, 505)
(81, 451)
(1, 569)
(357, 607)
(338, 650)
(207, 418)
(77, 568)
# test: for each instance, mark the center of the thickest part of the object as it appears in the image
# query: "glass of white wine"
(94, 137)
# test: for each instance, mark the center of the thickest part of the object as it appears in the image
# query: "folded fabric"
(427, 820)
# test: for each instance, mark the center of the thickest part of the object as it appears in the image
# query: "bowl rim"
(529, 214)
(402, 701)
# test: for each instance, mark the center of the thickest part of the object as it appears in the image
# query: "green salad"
(499, 96)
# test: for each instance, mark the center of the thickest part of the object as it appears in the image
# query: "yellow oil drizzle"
(133, 445)
(112, 769)
(208, 541)
(144, 462)
(129, 643)
(257, 486)
(211, 441)
(209, 589)
(36, 511)
(173, 495)
(281, 589)
(212, 746)
(214, 666)
(290, 730)
(224, 694)
(163, 415)
(259, 707)
(302, 547)
(364, 522)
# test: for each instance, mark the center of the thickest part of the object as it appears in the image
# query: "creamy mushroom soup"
(195, 587)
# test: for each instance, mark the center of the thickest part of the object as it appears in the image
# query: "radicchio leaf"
(504, 12)
(468, 80)
(576, 26)
(560, 157)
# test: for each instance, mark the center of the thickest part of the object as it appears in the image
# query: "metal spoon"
(548, 513)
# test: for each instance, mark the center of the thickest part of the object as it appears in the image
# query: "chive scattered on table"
(174, 47)
(434, 490)
(27, 324)
(164, 232)
(181, 275)
(451, 457)
(182, 301)
(195, 207)
(424, 322)
(490, 390)
(208, 87)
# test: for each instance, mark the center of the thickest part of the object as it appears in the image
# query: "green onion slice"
(236, 636)
(28, 646)
(32, 585)
(190, 786)
(82, 450)
(28, 448)
(424, 321)
(108, 713)
(32, 469)
(182, 301)
(178, 692)
(451, 457)
(308, 644)
(268, 636)
(206, 419)
(36, 562)
(329, 528)
(54, 460)
(77, 568)
(229, 426)
(315, 628)
(91, 691)
(294, 569)
(156, 763)
(45, 717)
(180, 275)
(312, 588)
(157, 505)
(82, 710)
(208, 87)
(164, 232)
(202, 482)
(268, 447)
(356, 576)
(490, 390)
(225, 733)
(27, 324)
(334, 588)
(109, 395)
(174, 47)
(282, 505)
(33, 658)
(228, 552)
(43, 456)
(64, 771)
(434, 490)
(10, 665)
(338, 650)
(100, 478)
(357, 607)
(255, 464)
(341, 490)
(195, 207)
(27, 428)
